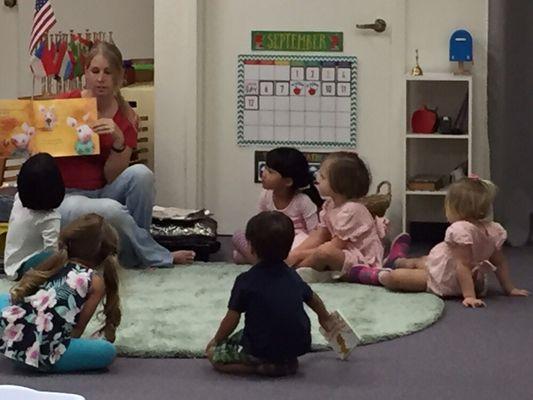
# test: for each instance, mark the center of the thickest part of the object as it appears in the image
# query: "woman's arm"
(117, 162)
(95, 295)
(502, 272)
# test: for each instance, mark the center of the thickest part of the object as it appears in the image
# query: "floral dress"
(36, 331)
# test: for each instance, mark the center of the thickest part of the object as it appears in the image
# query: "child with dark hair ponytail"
(288, 188)
(46, 313)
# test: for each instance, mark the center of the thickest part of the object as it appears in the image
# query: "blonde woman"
(105, 184)
(46, 313)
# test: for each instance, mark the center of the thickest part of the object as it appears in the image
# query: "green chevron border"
(241, 141)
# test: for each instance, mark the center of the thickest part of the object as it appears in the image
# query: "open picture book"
(59, 127)
(341, 337)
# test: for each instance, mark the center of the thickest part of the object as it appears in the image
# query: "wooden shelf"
(441, 192)
(436, 76)
(434, 136)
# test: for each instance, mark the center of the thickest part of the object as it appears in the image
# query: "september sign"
(297, 41)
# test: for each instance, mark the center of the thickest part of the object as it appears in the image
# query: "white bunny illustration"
(84, 145)
(49, 117)
(21, 141)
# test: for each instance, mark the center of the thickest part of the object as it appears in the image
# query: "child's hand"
(294, 259)
(326, 322)
(518, 292)
(209, 347)
(473, 302)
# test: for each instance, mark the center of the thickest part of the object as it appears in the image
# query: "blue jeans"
(127, 204)
(81, 354)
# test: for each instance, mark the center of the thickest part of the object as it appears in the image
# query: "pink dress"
(483, 239)
(301, 210)
(353, 222)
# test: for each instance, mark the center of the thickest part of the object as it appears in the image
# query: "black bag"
(197, 232)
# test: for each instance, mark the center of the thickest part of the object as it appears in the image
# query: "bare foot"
(183, 256)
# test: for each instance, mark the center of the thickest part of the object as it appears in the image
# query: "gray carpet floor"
(468, 354)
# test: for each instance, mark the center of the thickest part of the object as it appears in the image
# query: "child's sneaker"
(398, 249)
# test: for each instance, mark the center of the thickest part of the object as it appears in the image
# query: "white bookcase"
(433, 153)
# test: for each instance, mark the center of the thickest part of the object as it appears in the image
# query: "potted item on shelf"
(144, 69)
(427, 182)
(424, 120)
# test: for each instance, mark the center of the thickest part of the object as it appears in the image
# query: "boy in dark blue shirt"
(271, 295)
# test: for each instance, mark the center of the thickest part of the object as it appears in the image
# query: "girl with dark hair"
(34, 222)
(288, 188)
(46, 313)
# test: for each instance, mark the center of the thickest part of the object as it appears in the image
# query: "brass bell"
(417, 70)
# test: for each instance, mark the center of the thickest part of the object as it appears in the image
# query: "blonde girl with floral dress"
(45, 314)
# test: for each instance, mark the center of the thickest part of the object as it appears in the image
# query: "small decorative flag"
(43, 19)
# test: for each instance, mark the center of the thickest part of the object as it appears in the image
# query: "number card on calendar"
(297, 100)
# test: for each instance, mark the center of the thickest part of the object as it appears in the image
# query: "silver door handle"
(379, 25)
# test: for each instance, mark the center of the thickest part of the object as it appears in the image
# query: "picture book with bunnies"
(59, 127)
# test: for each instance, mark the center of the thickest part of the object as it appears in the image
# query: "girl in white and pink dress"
(472, 247)
(348, 236)
(287, 188)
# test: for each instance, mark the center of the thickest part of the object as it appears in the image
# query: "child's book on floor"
(59, 127)
(342, 337)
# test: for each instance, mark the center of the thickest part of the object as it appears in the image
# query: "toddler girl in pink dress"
(348, 235)
(472, 247)
(287, 188)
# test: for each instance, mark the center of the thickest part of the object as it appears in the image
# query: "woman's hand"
(473, 302)
(518, 292)
(104, 126)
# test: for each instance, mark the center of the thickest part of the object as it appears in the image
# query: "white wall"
(429, 24)
(132, 23)
(9, 52)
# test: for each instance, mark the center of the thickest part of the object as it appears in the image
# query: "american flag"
(43, 20)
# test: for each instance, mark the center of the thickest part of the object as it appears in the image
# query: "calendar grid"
(296, 100)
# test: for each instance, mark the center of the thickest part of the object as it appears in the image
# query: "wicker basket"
(378, 203)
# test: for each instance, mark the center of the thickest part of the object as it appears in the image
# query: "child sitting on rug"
(34, 221)
(347, 241)
(287, 187)
(48, 310)
(472, 247)
(272, 296)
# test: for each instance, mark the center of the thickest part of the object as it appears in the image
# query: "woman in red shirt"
(105, 184)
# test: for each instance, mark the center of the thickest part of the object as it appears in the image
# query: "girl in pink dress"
(472, 247)
(348, 235)
(287, 188)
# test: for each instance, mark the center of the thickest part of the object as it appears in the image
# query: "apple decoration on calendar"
(312, 89)
(297, 88)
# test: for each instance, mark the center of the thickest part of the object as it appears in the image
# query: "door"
(227, 180)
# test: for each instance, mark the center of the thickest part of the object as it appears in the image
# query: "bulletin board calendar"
(297, 100)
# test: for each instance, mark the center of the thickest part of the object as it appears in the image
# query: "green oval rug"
(175, 312)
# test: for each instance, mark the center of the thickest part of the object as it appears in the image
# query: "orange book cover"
(59, 127)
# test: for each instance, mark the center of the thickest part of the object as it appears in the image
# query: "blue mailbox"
(461, 46)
